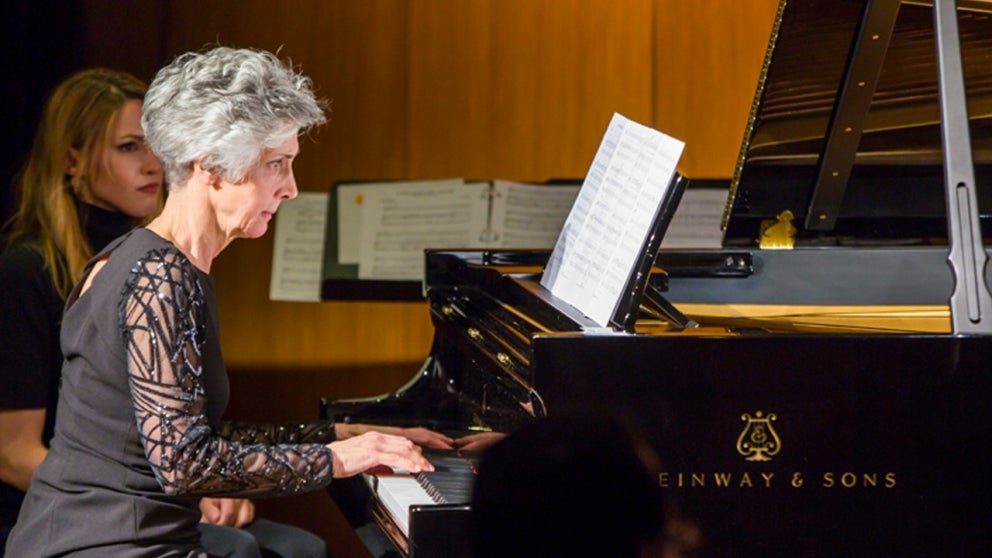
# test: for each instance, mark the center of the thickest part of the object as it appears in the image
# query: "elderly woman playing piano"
(139, 437)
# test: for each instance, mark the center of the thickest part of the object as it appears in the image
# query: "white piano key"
(396, 493)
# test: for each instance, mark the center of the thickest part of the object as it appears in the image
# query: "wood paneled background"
(514, 89)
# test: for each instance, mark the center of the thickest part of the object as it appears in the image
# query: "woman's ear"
(205, 175)
(72, 162)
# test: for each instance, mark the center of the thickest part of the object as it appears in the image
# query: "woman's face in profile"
(127, 176)
(246, 208)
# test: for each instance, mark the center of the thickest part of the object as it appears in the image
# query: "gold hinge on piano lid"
(778, 233)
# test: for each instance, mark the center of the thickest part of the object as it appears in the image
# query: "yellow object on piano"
(778, 234)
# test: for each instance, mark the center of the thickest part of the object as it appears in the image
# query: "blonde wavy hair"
(77, 115)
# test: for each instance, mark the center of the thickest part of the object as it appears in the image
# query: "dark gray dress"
(138, 437)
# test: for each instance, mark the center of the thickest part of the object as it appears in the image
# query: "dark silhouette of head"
(567, 486)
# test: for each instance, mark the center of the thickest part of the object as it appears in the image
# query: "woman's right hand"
(360, 453)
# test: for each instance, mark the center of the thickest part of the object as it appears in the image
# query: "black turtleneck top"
(30, 319)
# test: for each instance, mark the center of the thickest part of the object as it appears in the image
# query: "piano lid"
(844, 132)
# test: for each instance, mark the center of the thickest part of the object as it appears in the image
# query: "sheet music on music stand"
(377, 231)
(298, 248)
(615, 226)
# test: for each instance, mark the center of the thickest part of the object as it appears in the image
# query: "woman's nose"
(151, 164)
(289, 190)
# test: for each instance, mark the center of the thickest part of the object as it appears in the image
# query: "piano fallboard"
(869, 445)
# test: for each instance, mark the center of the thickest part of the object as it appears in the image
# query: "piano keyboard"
(450, 483)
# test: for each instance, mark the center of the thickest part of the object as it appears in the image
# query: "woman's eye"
(129, 146)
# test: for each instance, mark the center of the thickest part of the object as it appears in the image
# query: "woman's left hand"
(232, 512)
(424, 437)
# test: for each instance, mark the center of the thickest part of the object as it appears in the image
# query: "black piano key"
(452, 479)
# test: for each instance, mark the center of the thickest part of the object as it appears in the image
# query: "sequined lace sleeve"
(289, 433)
(162, 319)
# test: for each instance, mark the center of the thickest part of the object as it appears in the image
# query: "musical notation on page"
(299, 247)
(529, 215)
(616, 206)
(384, 227)
(399, 223)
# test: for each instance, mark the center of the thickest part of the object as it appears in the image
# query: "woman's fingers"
(357, 454)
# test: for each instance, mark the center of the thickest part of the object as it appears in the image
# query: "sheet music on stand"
(378, 230)
(298, 248)
(626, 197)
(696, 223)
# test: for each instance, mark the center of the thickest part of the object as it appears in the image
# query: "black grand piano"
(822, 384)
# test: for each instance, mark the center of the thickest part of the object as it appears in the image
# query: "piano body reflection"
(819, 386)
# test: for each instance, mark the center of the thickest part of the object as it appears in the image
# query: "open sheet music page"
(599, 245)
(696, 223)
(352, 204)
(529, 215)
(399, 223)
(299, 248)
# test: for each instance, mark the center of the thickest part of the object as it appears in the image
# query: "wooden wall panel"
(354, 52)
(523, 90)
(708, 54)
(137, 35)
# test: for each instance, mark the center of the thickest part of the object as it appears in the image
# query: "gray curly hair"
(222, 107)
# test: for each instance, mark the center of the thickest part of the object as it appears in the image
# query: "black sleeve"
(161, 317)
(321, 431)
(30, 316)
